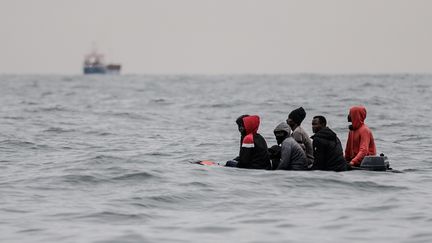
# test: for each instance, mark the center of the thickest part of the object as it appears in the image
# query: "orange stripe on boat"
(207, 162)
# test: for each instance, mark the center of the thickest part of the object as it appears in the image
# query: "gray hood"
(283, 126)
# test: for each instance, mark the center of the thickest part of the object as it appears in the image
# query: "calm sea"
(106, 159)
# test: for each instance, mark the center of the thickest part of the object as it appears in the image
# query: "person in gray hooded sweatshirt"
(292, 156)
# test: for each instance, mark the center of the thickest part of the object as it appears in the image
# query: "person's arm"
(274, 153)
(319, 155)
(285, 161)
(238, 156)
(348, 148)
(363, 151)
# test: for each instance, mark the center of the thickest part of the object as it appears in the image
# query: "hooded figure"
(295, 118)
(360, 141)
(239, 121)
(240, 125)
(328, 152)
(253, 150)
(291, 156)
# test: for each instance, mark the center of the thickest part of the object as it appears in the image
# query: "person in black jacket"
(253, 151)
(240, 126)
(328, 152)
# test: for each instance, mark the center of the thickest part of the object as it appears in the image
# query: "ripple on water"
(342, 183)
(58, 130)
(139, 176)
(82, 179)
(212, 229)
(113, 217)
(16, 144)
(126, 238)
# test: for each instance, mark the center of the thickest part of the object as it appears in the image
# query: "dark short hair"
(321, 119)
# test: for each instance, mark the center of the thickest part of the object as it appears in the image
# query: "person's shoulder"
(302, 131)
(332, 131)
(290, 141)
(320, 142)
(365, 129)
(257, 135)
(298, 129)
(297, 133)
(259, 139)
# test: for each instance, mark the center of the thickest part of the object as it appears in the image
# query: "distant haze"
(218, 36)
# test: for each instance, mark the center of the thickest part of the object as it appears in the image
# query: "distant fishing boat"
(94, 64)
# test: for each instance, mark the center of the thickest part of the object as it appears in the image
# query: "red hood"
(251, 124)
(358, 115)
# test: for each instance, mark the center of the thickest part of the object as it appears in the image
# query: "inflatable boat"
(370, 163)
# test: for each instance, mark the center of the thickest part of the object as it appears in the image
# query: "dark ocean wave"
(196, 185)
(158, 154)
(335, 183)
(132, 115)
(172, 199)
(15, 144)
(162, 101)
(25, 102)
(212, 229)
(221, 105)
(138, 176)
(82, 179)
(58, 130)
(49, 109)
(112, 217)
(13, 117)
(103, 157)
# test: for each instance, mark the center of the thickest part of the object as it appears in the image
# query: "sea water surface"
(106, 159)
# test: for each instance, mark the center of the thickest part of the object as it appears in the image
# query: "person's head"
(357, 115)
(281, 132)
(240, 124)
(296, 117)
(318, 123)
(248, 124)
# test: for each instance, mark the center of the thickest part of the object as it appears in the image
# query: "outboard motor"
(375, 163)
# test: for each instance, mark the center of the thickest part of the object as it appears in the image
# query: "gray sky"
(218, 36)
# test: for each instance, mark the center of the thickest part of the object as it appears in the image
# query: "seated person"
(253, 151)
(328, 152)
(239, 122)
(295, 118)
(360, 141)
(287, 155)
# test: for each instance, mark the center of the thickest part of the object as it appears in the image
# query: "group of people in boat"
(295, 150)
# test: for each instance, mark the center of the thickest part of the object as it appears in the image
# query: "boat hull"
(95, 70)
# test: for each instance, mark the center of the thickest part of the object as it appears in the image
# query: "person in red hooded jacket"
(360, 141)
(253, 150)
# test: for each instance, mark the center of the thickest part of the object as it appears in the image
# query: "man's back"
(253, 151)
(360, 141)
(300, 135)
(328, 152)
(255, 157)
(292, 156)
